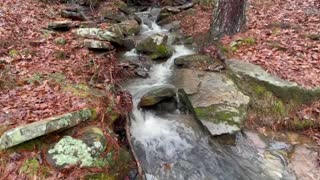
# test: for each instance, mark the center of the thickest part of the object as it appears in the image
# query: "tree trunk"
(228, 18)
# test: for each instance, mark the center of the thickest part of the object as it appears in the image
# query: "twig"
(140, 171)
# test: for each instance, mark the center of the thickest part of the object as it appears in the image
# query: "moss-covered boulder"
(30, 131)
(155, 46)
(60, 25)
(100, 34)
(218, 104)
(85, 151)
(156, 94)
(193, 60)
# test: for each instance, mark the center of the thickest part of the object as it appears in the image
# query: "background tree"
(228, 18)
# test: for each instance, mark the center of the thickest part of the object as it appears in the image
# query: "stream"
(174, 146)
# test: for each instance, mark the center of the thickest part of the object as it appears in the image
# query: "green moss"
(36, 78)
(30, 167)
(162, 51)
(13, 53)
(60, 41)
(303, 124)
(61, 55)
(80, 90)
(247, 41)
(99, 176)
(217, 115)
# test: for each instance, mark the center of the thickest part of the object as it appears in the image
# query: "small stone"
(157, 94)
(98, 45)
(60, 25)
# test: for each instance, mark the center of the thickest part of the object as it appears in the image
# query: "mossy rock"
(155, 46)
(219, 105)
(272, 99)
(84, 151)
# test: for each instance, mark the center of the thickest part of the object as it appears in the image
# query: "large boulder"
(193, 60)
(156, 94)
(100, 34)
(30, 131)
(155, 46)
(218, 104)
(84, 151)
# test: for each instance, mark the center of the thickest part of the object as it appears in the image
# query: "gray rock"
(84, 151)
(74, 14)
(97, 45)
(130, 27)
(100, 34)
(187, 80)
(60, 25)
(30, 131)
(115, 17)
(157, 94)
(193, 60)
(155, 46)
(129, 43)
(219, 105)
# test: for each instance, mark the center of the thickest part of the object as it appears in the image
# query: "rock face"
(187, 80)
(219, 105)
(97, 45)
(193, 60)
(155, 46)
(157, 94)
(85, 151)
(100, 34)
(33, 130)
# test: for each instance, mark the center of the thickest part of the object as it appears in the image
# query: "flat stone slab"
(97, 45)
(256, 72)
(246, 73)
(30, 131)
(219, 105)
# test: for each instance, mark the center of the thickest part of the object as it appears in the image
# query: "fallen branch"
(140, 171)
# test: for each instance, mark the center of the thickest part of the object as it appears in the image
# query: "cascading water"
(175, 146)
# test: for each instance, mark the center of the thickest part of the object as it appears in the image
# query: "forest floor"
(45, 73)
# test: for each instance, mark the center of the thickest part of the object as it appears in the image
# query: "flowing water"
(174, 146)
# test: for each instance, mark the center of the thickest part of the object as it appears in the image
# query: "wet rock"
(84, 151)
(186, 79)
(184, 104)
(249, 76)
(130, 27)
(155, 46)
(129, 13)
(60, 25)
(157, 94)
(98, 45)
(219, 105)
(30, 131)
(193, 60)
(100, 34)
(129, 43)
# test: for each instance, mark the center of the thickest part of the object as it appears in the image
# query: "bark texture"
(228, 18)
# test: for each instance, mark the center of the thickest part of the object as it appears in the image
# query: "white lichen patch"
(70, 151)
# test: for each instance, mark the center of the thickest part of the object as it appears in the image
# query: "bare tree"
(228, 18)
